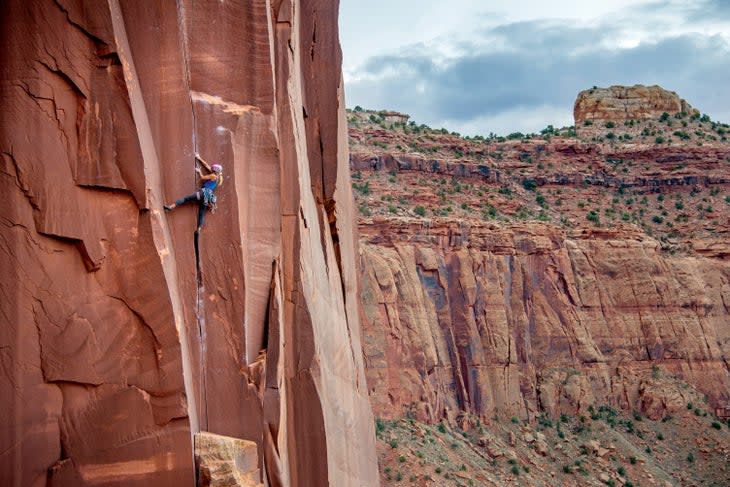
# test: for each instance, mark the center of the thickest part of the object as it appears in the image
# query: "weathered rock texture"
(120, 336)
(619, 103)
(515, 320)
(222, 461)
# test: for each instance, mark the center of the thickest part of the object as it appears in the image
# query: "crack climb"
(200, 315)
(199, 301)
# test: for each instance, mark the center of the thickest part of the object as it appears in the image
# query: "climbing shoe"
(168, 207)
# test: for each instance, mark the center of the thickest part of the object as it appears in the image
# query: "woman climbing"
(205, 196)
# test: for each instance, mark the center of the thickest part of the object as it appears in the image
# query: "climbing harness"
(209, 199)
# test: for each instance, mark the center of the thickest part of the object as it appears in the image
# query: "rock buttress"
(120, 337)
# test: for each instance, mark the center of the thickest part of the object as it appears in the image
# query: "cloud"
(511, 71)
(710, 10)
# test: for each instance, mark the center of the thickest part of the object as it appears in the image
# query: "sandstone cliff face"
(493, 320)
(121, 337)
(636, 102)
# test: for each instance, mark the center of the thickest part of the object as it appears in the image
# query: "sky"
(481, 66)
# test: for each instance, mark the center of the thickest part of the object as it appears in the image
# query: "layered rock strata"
(486, 320)
(619, 103)
(122, 334)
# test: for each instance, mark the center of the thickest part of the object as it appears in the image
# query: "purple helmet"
(217, 168)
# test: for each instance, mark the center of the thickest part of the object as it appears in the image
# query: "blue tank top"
(211, 184)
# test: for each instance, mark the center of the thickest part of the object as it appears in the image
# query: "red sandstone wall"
(512, 321)
(115, 344)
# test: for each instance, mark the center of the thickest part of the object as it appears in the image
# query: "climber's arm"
(204, 163)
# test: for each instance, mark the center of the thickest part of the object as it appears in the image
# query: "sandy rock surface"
(122, 335)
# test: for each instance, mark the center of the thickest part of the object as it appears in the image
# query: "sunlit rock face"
(123, 335)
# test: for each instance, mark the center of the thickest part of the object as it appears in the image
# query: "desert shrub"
(364, 210)
(593, 216)
(489, 211)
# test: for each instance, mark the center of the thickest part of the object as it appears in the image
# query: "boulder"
(222, 461)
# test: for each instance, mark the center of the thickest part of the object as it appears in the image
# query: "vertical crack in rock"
(200, 300)
(200, 316)
(183, 27)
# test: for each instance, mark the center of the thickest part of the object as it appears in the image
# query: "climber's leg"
(191, 197)
(201, 215)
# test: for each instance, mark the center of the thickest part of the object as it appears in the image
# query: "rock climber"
(205, 196)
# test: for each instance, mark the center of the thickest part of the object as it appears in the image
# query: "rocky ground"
(603, 447)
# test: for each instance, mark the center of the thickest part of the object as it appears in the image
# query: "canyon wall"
(467, 320)
(123, 334)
